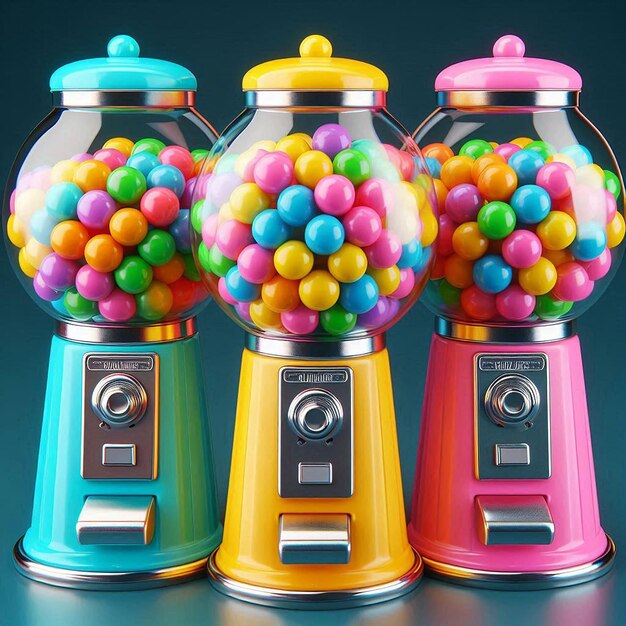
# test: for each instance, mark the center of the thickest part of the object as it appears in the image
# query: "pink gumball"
(256, 264)
(506, 150)
(94, 285)
(42, 289)
(514, 303)
(273, 172)
(209, 230)
(377, 194)
(407, 282)
(362, 226)
(557, 179)
(248, 170)
(179, 158)
(224, 293)
(522, 248)
(160, 206)
(243, 310)
(385, 251)
(300, 321)
(118, 306)
(610, 205)
(58, 273)
(111, 157)
(232, 237)
(573, 283)
(463, 203)
(446, 230)
(599, 267)
(334, 194)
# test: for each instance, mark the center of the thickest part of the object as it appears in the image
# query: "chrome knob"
(315, 413)
(512, 400)
(119, 400)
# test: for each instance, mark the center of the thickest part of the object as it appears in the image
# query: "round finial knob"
(316, 46)
(509, 46)
(123, 46)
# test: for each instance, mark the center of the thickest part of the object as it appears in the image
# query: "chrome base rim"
(105, 581)
(315, 600)
(523, 581)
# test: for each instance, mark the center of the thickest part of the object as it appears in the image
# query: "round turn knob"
(119, 400)
(315, 414)
(512, 400)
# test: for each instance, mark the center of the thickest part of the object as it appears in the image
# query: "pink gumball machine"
(530, 234)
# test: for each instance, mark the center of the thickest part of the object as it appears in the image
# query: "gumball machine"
(314, 233)
(529, 238)
(96, 215)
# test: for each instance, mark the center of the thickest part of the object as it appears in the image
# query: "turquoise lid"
(123, 70)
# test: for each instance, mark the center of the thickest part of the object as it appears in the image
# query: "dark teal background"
(219, 41)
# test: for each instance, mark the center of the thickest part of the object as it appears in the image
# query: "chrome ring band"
(315, 99)
(102, 333)
(548, 99)
(124, 99)
(504, 334)
(310, 349)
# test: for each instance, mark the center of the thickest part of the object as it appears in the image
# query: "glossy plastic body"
(443, 525)
(187, 523)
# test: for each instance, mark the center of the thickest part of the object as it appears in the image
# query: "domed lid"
(315, 70)
(123, 70)
(509, 70)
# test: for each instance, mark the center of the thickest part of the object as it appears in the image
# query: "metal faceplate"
(315, 432)
(512, 416)
(120, 416)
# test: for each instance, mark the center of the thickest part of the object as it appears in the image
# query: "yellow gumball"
(457, 170)
(27, 203)
(265, 144)
(35, 252)
(225, 213)
(562, 158)
(591, 175)
(293, 260)
(556, 231)
(247, 201)
(63, 171)
(25, 266)
(522, 142)
(122, 144)
(263, 316)
(319, 290)
(615, 231)
(294, 146)
(15, 232)
(311, 167)
(387, 279)
(348, 263)
(430, 227)
(538, 279)
(307, 138)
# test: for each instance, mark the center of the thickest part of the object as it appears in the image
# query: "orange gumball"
(103, 253)
(91, 175)
(459, 272)
(171, 271)
(497, 182)
(281, 294)
(456, 171)
(122, 144)
(484, 161)
(128, 227)
(557, 257)
(468, 242)
(68, 239)
(438, 151)
(441, 191)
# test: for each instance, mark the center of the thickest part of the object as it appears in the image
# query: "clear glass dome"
(96, 213)
(315, 222)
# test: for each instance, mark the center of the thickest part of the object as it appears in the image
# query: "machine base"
(523, 581)
(315, 600)
(105, 581)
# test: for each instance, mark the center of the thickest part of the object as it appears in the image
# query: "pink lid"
(508, 70)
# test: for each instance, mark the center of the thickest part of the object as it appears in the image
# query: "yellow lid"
(315, 70)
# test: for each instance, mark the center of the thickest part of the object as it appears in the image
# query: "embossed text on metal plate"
(96, 363)
(511, 363)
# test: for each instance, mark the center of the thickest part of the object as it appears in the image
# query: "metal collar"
(316, 99)
(124, 99)
(541, 99)
(315, 349)
(103, 333)
(539, 333)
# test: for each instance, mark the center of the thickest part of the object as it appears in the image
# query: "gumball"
(191, 271)
(497, 182)
(348, 263)
(353, 165)
(293, 146)
(203, 256)
(61, 201)
(591, 175)
(337, 321)
(377, 194)
(557, 257)
(296, 205)
(600, 266)
(434, 167)
(539, 278)
(458, 271)
(42, 225)
(526, 164)
(164, 176)
(307, 138)
(92, 284)
(29, 201)
(438, 151)
(42, 289)
(157, 248)
(359, 296)
(549, 309)
(256, 264)
(239, 288)
(469, 242)
(310, 167)
(280, 294)
(319, 290)
(496, 220)
(373, 150)
(179, 158)
(95, 209)
(463, 203)
(572, 283)
(58, 273)
(263, 316)
(506, 151)
(269, 230)
(179, 229)
(184, 294)
(615, 231)
(590, 241)
(475, 148)
(247, 201)
(219, 188)
(126, 185)
(27, 268)
(531, 204)
(68, 239)
(190, 189)
(492, 274)
(118, 306)
(246, 162)
(324, 234)
(128, 227)
(172, 270)
(154, 146)
(331, 139)
(612, 184)
(478, 304)
(160, 206)
(543, 148)
(411, 256)
(300, 321)
(219, 264)
(385, 251)
(514, 303)
(381, 313)
(243, 311)
(293, 260)
(35, 252)
(457, 170)
(155, 302)
(79, 307)
(562, 158)
(484, 161)
(407, 283)
(133, 274)
(522, 248)
(580, 154)
(334, 195)
(556, 231)
(557, 179)
(610, 206)
(273, 172)
(63, 171)
(91, 174)
(362, 226)
(387, 279)
(222, 290)
(110, 157)
(15, 232)
(122, 144)
(449, 295)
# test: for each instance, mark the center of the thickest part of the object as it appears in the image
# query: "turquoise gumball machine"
(96, 217)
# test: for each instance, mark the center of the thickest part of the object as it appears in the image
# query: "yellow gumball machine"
(314, 225)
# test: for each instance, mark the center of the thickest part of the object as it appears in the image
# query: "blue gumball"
(167, 176)
(143, 161)
(360, 296)
(531, 204)
(580, 154)
(62, 200)
(424, 260)
(180, 231)
(296, 205)
(41, 225)
(411, 254)
(324, 234)
(590, 241)
(492, 274)
(241, 289)
(434, 166)
(269, 230)
(526, 164)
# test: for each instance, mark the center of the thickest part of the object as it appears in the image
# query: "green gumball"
(352, 164)
(79, 307)
(542, 147)
(475, 148)
(547, 308)
(149, 144)
(450, 296)
(157, 248)
(218, 263)
(611, 182)
(133, 275)
(126, 185)
(496, 220)
(337, 321)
